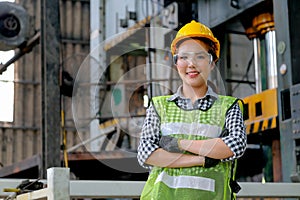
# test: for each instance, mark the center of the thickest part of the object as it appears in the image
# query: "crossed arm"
(226, 148)
(213, 148)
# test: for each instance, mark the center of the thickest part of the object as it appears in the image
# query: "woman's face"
(194, 63)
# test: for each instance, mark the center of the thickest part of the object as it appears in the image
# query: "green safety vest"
(190, 183)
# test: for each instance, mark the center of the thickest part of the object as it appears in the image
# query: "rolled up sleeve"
(149, 138)
(236, 139)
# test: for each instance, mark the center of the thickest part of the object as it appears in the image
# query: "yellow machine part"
(108, 123)
(261, 111)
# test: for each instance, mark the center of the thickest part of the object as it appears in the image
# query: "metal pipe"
(104, 132)
(271, 59)
(26, 49)
(133, 189)
(257, 67)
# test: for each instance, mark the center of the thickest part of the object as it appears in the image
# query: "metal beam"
(215, 12)
(97, 37)
(133, 189)
(50, 53)
(281, 18)
(21, 167)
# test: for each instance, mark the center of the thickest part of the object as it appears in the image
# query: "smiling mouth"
(193, 72)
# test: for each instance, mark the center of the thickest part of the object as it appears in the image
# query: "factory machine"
(272, 112)
(262, 32)
(268, 83)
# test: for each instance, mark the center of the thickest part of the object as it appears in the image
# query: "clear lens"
(195, 57)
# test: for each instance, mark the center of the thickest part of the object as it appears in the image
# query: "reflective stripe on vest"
(192, 182)
(205, 130)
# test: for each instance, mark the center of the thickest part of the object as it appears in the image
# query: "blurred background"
(76, 77)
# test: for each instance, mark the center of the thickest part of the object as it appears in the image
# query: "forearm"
(213, 148)
(162, 158)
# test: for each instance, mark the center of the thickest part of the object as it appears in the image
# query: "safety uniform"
(191, 183)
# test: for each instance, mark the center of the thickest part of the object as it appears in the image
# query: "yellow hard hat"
(197, 30)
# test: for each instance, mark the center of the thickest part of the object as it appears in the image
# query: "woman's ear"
(212, 65)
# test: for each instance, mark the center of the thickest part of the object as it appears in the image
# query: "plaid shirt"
(236, 140)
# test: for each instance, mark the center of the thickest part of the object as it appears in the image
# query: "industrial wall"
(22, 138)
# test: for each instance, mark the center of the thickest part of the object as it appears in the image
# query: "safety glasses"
(193, 57)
